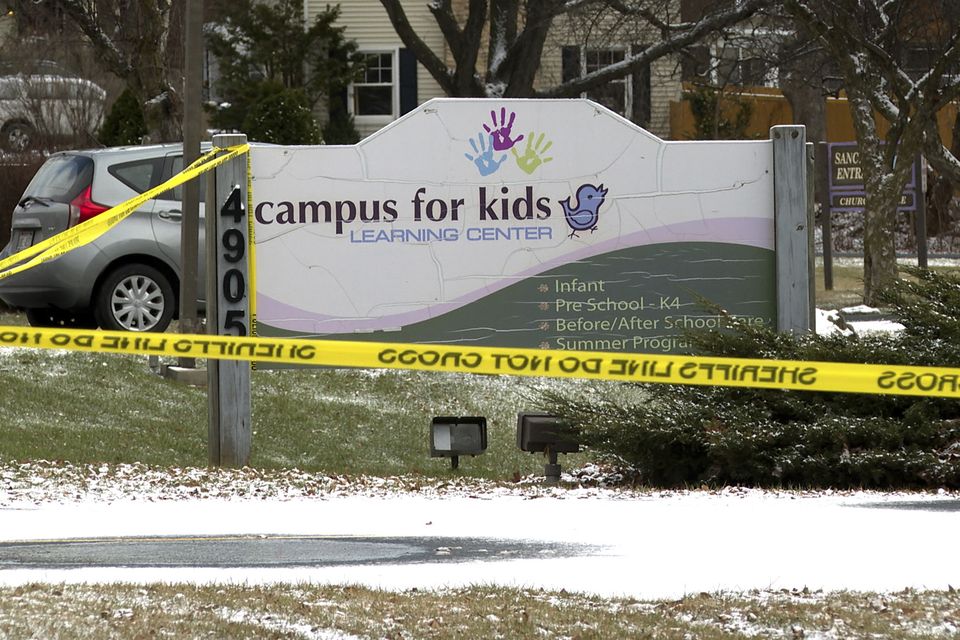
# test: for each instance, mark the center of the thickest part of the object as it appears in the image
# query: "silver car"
(128, 278)
(45, 107)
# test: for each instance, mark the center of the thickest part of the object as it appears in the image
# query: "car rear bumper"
(65, 283)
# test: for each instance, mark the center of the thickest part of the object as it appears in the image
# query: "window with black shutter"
(628, 95)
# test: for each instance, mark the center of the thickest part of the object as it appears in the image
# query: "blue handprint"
(501, 130)
(486, 163)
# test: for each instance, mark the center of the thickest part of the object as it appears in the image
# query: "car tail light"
(83, 208)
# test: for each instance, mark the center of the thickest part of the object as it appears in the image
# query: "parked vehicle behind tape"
(47, 107)
(128, 278)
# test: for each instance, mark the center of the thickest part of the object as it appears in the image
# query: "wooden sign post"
(228, 309)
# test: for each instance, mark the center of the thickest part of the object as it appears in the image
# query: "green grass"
(847, 288)
(84, 407)
(89, 408)
(848, 285)
(93, 408)
(182, 611)
(377, 422)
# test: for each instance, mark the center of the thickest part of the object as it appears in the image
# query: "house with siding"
(394, 82)
(583, 42)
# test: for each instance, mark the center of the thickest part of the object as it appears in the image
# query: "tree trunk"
(809, 107)
(879, 231)
(158, 66)
(882, 184)
(162, 112)
(523, 63)
(140, 43)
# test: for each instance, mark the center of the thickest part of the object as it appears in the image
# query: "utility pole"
(190, 224)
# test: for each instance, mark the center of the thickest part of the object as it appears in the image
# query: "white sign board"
(550, 223)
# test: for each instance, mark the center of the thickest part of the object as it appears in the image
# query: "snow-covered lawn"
(653, 544)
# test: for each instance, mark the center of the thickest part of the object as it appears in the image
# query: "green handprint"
(533, 153)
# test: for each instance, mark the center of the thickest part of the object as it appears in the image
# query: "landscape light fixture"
(452, 437)
(546, 434)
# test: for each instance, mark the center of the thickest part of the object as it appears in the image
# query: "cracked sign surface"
(514, 223)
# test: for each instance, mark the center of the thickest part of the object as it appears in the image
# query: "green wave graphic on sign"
(636, 300)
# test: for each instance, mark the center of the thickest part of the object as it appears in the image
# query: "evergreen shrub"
(124, 124)
(718, 114)
(281, 116)
(690, 436)
(340, 129)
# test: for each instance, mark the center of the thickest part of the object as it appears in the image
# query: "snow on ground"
(833, 321)
(654, 544)
(829, 321)
(657, 544)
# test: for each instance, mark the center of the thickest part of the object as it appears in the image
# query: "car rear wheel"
(58, 318)
(135, 297)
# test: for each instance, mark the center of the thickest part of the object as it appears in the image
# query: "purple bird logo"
(584, 214)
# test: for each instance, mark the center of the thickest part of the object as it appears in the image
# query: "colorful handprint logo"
(533, 155)
(497, 135)
(483, 154)
(501, 130)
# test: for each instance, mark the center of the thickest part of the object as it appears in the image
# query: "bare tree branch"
(424, 54)
(931, 85)
(697, 32)
(523, 59)
(503, 32)
(443, 14)
(84, 15)
(939, 157)
(657, 22)
(867, 40)
(472, 36)
(134, 40)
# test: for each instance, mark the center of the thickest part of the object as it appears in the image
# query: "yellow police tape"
(769, 374)
(89, 230)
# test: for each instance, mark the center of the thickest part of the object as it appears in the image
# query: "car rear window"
(175, 166)
(61, 178)
(139, 175)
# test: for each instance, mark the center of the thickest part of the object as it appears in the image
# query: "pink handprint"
(501, 131)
